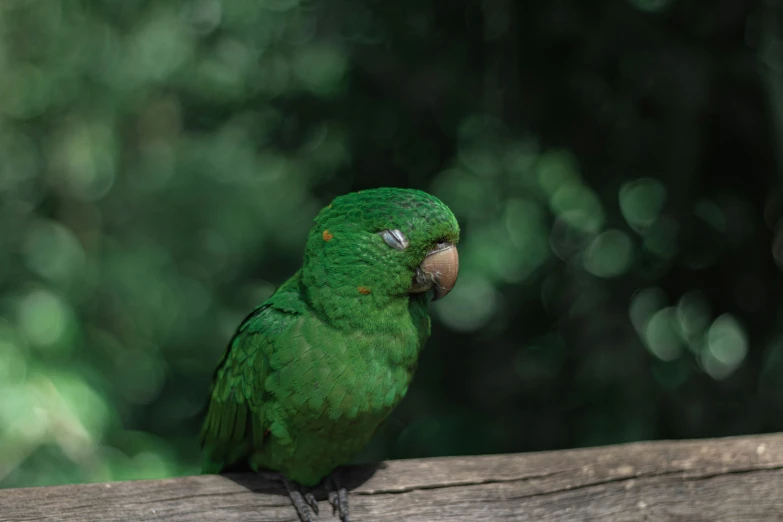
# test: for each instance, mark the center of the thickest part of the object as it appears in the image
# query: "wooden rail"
(732, 479)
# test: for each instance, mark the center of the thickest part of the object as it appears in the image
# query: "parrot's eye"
(395, 239)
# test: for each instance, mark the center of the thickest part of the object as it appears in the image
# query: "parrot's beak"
(438, 271)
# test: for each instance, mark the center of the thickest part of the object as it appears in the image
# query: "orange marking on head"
(364, 290)
(326, 235)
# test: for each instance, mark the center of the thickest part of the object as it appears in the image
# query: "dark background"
(614, 166)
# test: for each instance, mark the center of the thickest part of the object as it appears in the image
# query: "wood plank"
(731, 479)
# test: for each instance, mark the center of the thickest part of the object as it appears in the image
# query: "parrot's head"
(382, 244)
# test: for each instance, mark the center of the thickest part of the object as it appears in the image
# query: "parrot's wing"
(235, 423)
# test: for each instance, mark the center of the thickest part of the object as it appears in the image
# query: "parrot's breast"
(332, 393)
(352, 375)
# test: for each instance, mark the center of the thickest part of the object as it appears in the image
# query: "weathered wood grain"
(731, 479)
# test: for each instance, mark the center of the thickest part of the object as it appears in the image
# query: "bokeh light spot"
(83, 418)
(644, 304)
(85, 159)
(321, 69)
(693, 313)
(567, 240)
(641, 202)
(661, 335)
(609, 254)
(727, 346)
(42, 317)
(53, 251)
(578, 205)
(556, 168)
(470, 305)
(159, 46)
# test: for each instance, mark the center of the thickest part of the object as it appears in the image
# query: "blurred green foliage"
(612, 164)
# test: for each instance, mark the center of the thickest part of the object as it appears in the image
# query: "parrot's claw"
(302, 503)
(312, 502)
(338, 497)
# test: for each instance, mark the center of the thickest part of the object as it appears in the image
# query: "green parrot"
(313, 371)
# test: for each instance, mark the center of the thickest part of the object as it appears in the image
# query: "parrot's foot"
(302, 503)
(338, 497)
